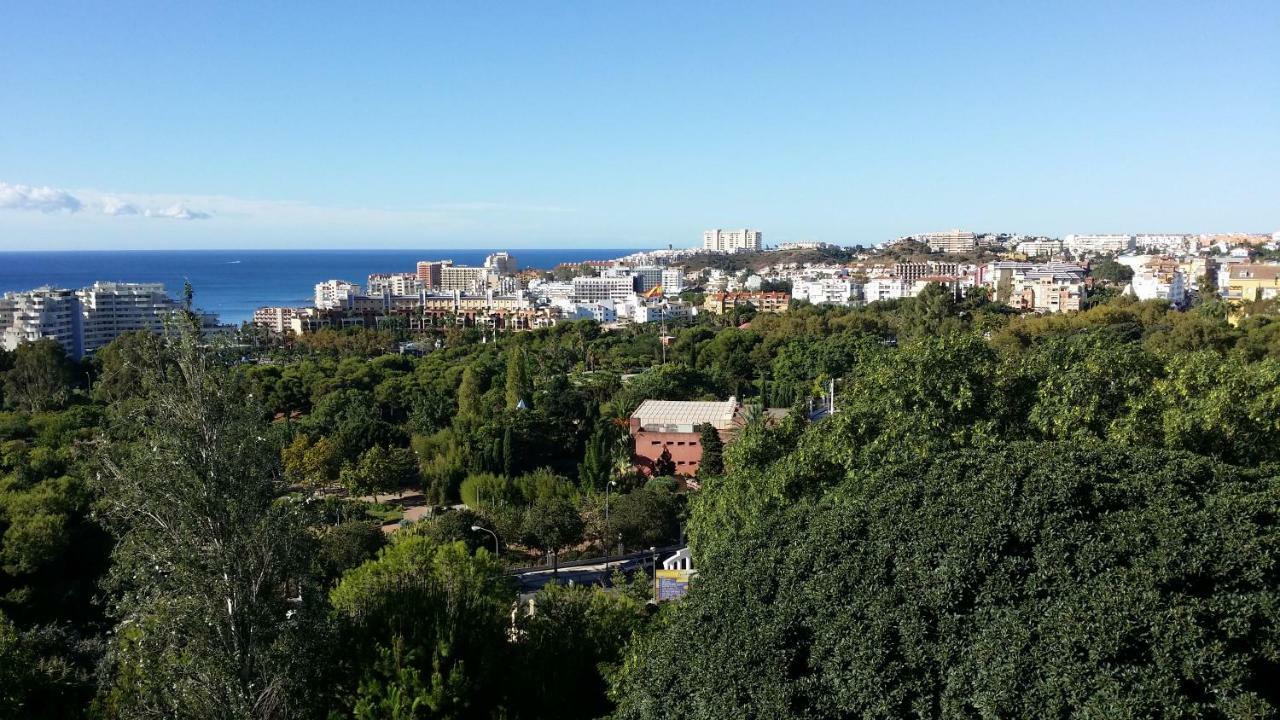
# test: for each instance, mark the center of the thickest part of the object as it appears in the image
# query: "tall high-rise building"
(83, 320)
(335, 293)
(502, 262)
(111, 309)
(732, 240)
(45, 312)
(464, 279)
(429, 272)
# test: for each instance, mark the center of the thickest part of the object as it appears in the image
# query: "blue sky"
(216, 125)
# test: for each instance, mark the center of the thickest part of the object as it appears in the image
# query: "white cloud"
(112, 205)
(43, 198)
(178, 211)
(103, 214)
(51, 200)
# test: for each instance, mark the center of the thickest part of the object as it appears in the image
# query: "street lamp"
(653, 552)
(611, 483)
(477, 528)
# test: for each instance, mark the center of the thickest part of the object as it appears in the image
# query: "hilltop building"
(951, 241)
(733, 240)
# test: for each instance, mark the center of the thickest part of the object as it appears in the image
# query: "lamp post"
(477, 528)
(653, 553)
(608, 485)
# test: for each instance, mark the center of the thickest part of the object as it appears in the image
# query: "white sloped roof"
(686, 414)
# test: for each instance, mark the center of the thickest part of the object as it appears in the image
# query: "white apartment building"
(883, 287)
(467, 279)
(805, 245)
(275, 319)
(830, 291)
(111, 309)
(335, 293)
(502, 263)
(1097, 244)
(551, 289)
(394, 284)
(1163, 244)
(83, 320)
(672, 280)
(595, 289)
(732, 240)
(1156, 278)
(951, 241)
(602, 311)
(910, 272)
(1041, 247)
(657, 312)
(45, 312)
(650, 276)
(1048, 292)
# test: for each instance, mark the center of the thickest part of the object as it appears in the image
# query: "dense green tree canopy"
(1034, 580)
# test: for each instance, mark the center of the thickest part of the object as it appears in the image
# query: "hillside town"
(1032, 274)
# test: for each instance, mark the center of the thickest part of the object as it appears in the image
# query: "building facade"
(767, 302)
(1250, 282)
(394, 284)
(112, 309)
(673, 428)
(951, 241)
(826, 291)
(744, 240)
(45, 312)
(595, 289)
(334, 293)
(1097, 244)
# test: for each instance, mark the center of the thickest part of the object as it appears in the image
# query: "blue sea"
(232, 283)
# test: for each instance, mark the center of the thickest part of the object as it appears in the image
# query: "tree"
(436, 611)
(593, 472)
(1111, 272)
(552, 523)
(41, 378)
(646, 518)
(984, 583)
(469, 395)
(712, 462)
(380, 470)
(206, 560)
(517, 383)
(572, 632)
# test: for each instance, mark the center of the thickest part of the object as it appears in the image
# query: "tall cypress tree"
(517, 378)
(712, 451)
(469, 395)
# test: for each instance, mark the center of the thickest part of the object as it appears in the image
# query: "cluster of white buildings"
(86, 319)
(440, 293)
(620, 293)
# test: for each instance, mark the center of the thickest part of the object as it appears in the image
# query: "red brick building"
(670, 426)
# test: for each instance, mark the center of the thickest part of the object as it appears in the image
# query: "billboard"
(672, 584)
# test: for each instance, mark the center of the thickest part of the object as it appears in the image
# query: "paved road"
(588, 572)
